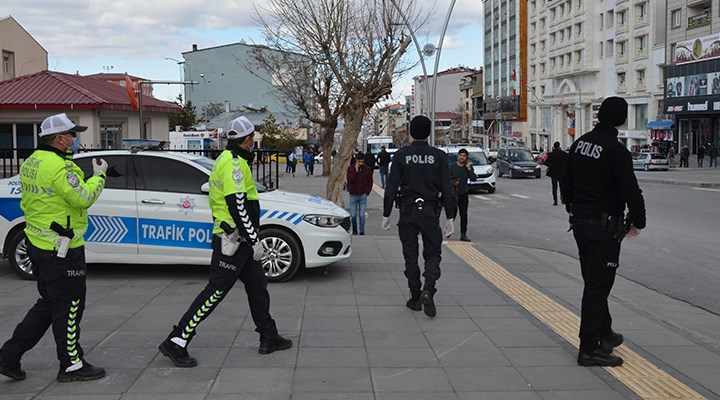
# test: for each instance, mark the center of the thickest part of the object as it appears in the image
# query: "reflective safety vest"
(229, 175)
(54, 190)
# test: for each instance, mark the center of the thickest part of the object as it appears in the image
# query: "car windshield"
(657, 156)
(521, 155)
(475, 158)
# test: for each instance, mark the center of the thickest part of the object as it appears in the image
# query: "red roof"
(57, 90)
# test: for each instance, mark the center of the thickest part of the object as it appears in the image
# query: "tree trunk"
(338, 174)
(327, 140)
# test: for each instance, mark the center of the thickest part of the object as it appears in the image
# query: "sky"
(136, 36)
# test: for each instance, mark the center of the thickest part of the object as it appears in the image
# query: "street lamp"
(422, 62)
(179, 63)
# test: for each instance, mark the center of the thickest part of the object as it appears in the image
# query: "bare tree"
(361, 42)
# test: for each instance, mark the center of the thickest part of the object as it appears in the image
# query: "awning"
(660, 125)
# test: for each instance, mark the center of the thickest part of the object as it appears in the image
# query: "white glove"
(386, 223)
(99, 167)
(449, 227)
(258, 251)
(632, 233)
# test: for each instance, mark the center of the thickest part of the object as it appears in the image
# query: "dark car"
(517, 162)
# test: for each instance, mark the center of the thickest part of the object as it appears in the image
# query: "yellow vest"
(229, 175)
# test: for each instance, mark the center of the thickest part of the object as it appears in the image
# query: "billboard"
(700, 49)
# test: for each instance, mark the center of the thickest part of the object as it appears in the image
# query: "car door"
(112, 220)
(174, 219)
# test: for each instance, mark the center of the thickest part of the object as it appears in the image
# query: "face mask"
(76, 145)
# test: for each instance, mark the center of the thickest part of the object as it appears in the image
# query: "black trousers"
(463, 202)
(224, 272)
(599, 260)
(555, 182)
(62, 288)
(426, 223)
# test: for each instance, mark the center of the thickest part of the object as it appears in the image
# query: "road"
(673, 254)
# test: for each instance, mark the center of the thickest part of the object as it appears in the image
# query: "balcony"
(642, 21)
(621, 58)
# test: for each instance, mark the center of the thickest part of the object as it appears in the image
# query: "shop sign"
(701, 19)
(703, 48)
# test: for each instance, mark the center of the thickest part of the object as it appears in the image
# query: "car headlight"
(517, 167)
(323, 221)
(490, 171)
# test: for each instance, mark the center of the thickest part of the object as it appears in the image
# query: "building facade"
(472, 128)
(581, 52)
(21, 53)
(692, 73)
(505, 66)
(224, 76)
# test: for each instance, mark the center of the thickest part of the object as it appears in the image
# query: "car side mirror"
(205, 188)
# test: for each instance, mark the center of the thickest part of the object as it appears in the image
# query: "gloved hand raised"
(99, 168)
(386, 223)
(449, 227)
(258, 251)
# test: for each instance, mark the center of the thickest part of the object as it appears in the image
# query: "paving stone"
(408, 357)
(332, 357)
(421, 380)
(330, 380)
(117, 381)
(476, 379)
(562, 378)
(331, 339)
(175, 380)
(253, 380)
(395, 339)
(469, 356)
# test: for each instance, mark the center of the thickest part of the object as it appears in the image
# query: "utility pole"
(143, 133)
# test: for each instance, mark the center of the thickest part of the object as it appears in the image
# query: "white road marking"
(481, 197)
(520, 196)
(707, 189)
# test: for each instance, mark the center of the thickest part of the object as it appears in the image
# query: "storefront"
(661, 135)
(692, 93)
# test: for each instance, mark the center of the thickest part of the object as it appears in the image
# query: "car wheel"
(282, 254)
(491, 190)
(511, 174)
(18, 255)
(647, 168)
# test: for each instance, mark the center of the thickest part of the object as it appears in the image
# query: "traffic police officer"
(55, 199)
(237, 249)
(420, 184)
(597, 182)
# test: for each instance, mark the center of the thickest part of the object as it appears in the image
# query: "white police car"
(154, 210)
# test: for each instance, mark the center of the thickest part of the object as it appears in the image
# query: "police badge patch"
(73, 180)
(237, 176)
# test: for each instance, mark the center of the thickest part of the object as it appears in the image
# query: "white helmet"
(239, 128)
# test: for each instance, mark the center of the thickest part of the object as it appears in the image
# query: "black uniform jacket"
(599, 178)
(420, 171)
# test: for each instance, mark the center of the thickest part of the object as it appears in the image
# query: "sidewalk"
(693, 176)
(494, 336)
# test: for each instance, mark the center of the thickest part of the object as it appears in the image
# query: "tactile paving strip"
(638, 374)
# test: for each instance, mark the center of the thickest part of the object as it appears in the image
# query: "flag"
(131, 92)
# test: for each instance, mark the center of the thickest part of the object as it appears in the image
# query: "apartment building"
(692, 72)
(581, 52)
(505, 71)
(21, 53)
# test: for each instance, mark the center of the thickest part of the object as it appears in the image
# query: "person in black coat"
(555, 163)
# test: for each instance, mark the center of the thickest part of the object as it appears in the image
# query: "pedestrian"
(359, 185)
(555, 163)
(700, 155)
(308, 160)
(597, 182)
(460, 172)
(671, 156)
(313, 154)
(236, 250)
(713, 155)
(288, 168)
(684, 156)
(55, 199)
(292, 160)
(370, 161)
(420, 183)
(383, 161)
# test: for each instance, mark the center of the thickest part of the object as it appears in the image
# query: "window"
(579, 56)
(25, 139)
(578, 29)
(118, 175)
(602, 47)
(622, 47)
(641, 77)
(542, 69)
(152, 174)
(111, 136)
(676, 18)
(641, 10)
(641, 116)
(621, 78)
(610, 48)
(602, 19)
(8, 67)
(622, 18)
(641, 43)
(610, 20)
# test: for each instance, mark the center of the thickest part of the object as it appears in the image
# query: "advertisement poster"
(700, 49)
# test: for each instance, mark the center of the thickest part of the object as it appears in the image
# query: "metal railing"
(265, 164)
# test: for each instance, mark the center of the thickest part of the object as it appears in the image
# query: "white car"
(486, 174)
(154, 210)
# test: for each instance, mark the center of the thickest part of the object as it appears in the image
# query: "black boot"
(414, 302)
(12, 370)
(354, 228)
(88, 372)
(276, 343)
(177, 354)
(609, 343)
(599, 358)
(428, 304)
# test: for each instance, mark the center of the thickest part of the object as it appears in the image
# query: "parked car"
(650, 161)
(154, 210)
(491, 154)
(486, 177)
(517, 162)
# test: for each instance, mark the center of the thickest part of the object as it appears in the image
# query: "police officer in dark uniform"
(597, 182)
(419, 183)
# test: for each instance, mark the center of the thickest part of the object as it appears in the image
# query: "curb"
(679, 183)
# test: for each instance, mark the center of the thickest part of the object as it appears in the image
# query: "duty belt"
(589, 221)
